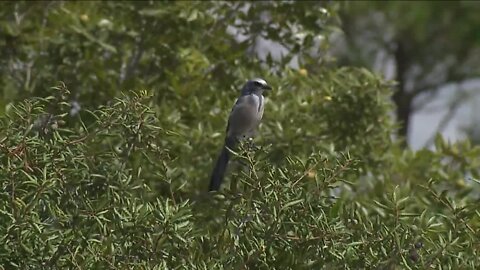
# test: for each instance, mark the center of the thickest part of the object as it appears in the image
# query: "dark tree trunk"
(401, 98)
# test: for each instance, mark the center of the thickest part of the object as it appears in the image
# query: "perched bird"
(242, 123)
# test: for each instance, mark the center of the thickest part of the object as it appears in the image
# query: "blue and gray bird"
(243, 121)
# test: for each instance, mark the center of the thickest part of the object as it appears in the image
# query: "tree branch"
(452, 110)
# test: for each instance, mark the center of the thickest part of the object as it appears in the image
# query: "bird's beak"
(267, 87)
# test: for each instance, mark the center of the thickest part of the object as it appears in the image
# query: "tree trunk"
(401, 98)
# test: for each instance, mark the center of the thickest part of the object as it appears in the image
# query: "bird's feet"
(251, 146)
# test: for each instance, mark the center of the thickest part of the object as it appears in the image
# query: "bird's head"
(255, 86)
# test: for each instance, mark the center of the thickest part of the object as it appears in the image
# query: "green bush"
(127, 190)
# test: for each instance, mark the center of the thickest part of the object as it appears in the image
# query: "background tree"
(181, 47)
(423, 48)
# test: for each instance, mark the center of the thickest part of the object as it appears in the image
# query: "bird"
(244, 118)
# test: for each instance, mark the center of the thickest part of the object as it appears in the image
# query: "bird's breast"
(256, 101)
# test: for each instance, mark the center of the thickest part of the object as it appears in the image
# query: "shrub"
(126, 187)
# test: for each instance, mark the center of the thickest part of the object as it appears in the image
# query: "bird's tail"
(221, 166)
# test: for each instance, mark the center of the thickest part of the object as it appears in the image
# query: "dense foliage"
(121, 183)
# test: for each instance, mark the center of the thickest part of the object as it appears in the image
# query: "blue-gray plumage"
(242, 123)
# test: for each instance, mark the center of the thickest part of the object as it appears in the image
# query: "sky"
(426, 121)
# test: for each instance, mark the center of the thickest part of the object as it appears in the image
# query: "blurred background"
(430, 49)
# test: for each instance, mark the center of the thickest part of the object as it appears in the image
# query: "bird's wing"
(244, 116)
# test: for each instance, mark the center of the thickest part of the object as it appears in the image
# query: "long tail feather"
(221, 166)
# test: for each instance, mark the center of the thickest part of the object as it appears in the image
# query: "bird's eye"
(258, 83)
